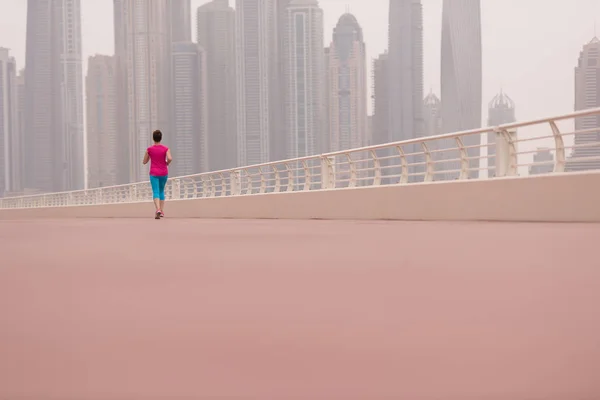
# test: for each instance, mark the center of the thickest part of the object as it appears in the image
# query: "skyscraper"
(9, 140)
(181, 21)
(190, 122)
(432, 108)
(304, 77)
(259, 114)
(347, 86)
(326, 137)
(18, 148)
(381, 105)
(54, 96)
(462, 73)
(405, 81)
(102, 132)
(501, 110)
(142, 50)
(281, 141)
(216, 34)
(543, 161)
(180, 31)
(587, 95)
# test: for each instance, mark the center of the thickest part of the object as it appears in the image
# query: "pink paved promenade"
(119, 309)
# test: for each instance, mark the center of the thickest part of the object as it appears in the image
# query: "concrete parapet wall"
(573, 197)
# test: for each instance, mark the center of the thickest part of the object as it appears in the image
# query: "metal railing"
(486, 153)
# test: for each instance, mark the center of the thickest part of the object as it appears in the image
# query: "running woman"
(160, 157)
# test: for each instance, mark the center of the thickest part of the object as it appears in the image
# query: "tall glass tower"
(462, 73)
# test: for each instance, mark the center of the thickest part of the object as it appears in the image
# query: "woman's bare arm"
(169, 157)
(146, 158)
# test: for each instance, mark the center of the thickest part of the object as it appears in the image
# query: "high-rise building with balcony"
(259, 107)
(461, 68)
(9, 139)
(102, 123)
(304, 78)
(501, 110)
(586, 153)
(347, 86)
(142, 50)
(54, 96)
(216, 35)
(190, 122)
(381, 106)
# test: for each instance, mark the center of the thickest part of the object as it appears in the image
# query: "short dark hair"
(157, 136)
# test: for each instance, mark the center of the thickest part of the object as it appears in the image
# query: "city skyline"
(163, 21)
(502, 45)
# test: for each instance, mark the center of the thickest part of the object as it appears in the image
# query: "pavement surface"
(115, 309)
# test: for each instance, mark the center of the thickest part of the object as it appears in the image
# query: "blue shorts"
(158, 186)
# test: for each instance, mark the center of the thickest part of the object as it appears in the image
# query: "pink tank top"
(158, 160)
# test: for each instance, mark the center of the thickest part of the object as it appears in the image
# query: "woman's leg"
(161, 188)
(154, 182)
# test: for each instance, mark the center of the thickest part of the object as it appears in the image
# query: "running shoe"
(157, 215)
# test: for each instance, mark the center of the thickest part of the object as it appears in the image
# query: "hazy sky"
(530, 47)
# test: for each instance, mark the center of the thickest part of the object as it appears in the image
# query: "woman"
(159, 171)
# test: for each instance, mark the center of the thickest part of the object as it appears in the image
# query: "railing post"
(403, 166)
(277, 187)
(263, 180)
(234, 183)
(291, 178)
(559, 147)
(307, 175)
(250, 186)
(327, 173)
(376, 168)
(176, 189)
(429, 172)
(352, 170)
(506, 153)
(464, 159)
